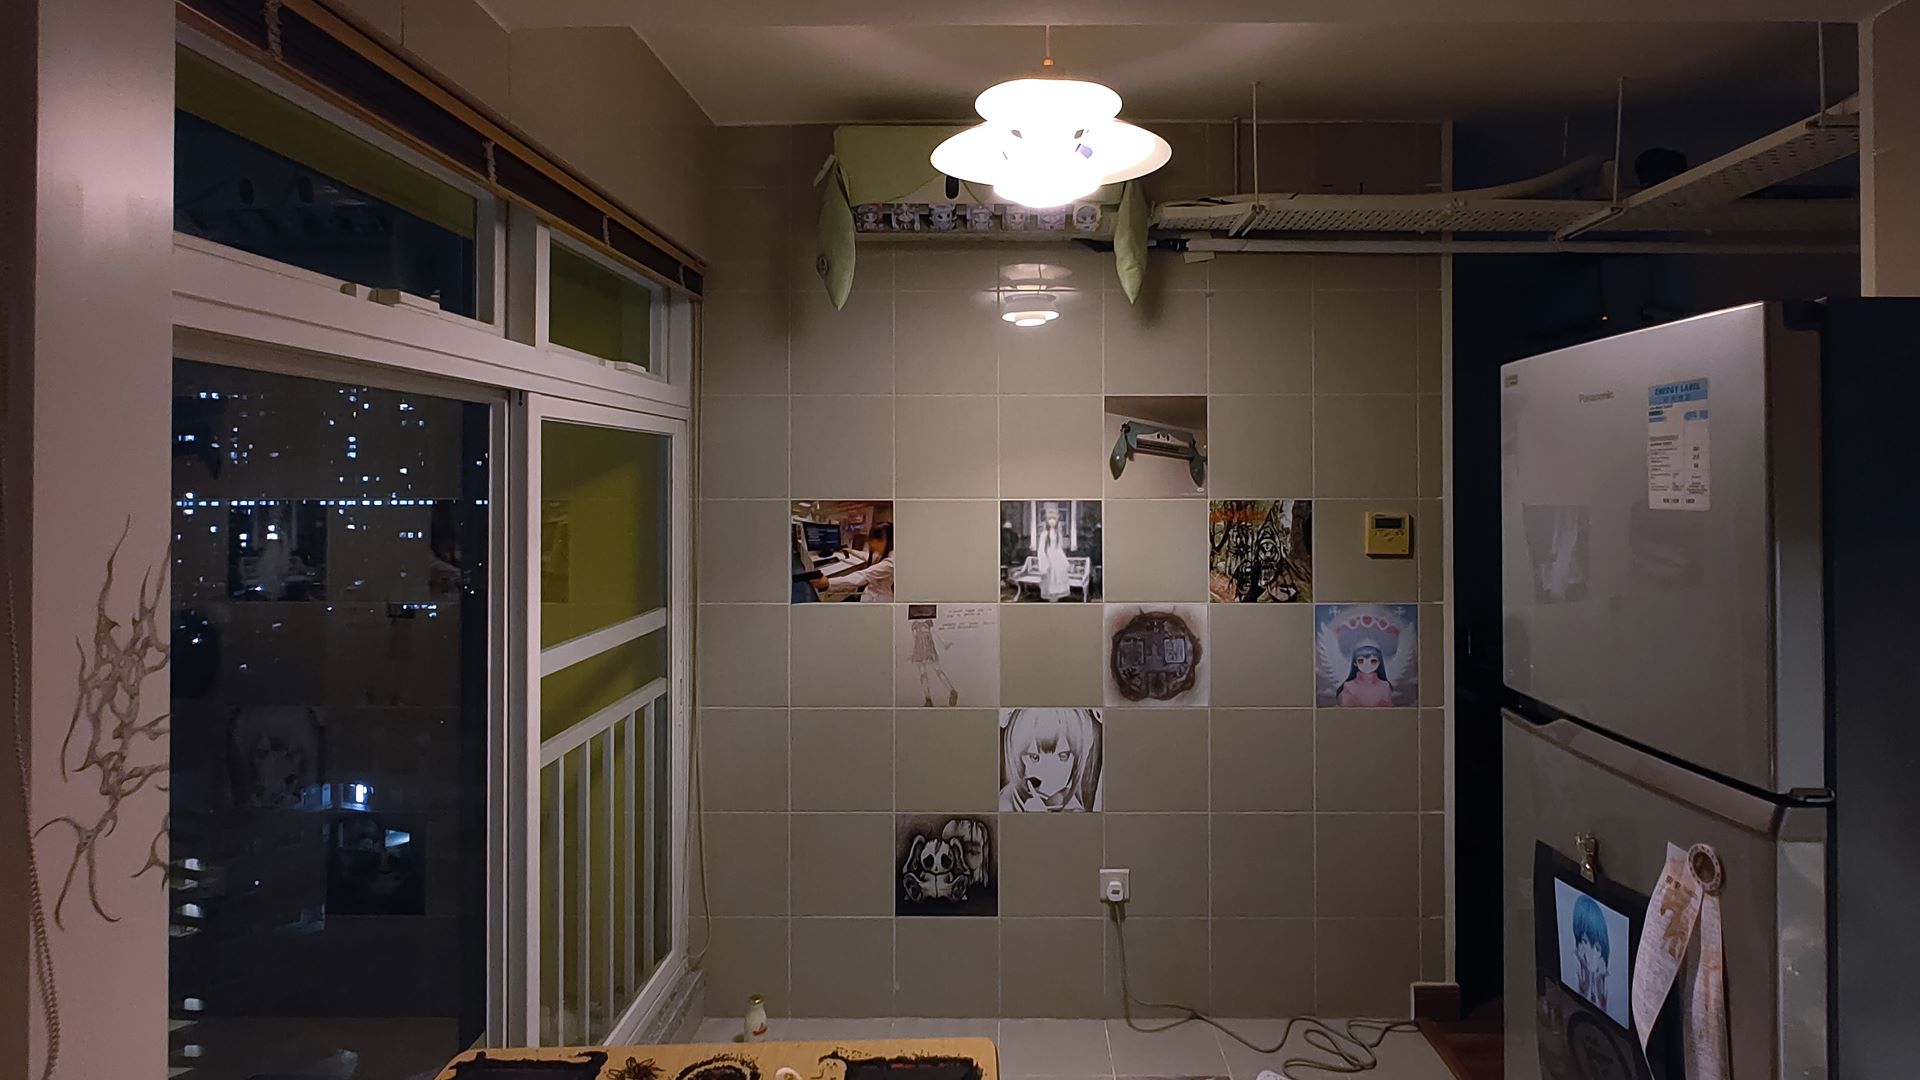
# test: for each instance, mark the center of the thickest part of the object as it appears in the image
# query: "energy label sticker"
(1679, 460)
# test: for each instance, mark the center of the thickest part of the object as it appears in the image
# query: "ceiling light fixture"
(1029, 308)
(1047, 140)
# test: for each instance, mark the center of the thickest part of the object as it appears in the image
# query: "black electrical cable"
(1354, 1047)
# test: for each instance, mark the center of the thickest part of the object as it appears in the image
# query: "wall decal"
(946, 865)
(1157, 655)
(1050, 551)
(1050, 760)
(1366, 655)
(1156, 447)
(842, 551)
(947, 655)
(1260, 551)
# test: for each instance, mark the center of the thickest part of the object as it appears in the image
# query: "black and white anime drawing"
(946, 865)
(1050, 760)
(1050, 551)
(949, 655)
(1157, 654)
(1260, 551)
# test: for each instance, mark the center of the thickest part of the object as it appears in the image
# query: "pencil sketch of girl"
(926, 655)
(1050, 760)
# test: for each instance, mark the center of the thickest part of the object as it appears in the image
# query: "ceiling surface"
(836, 61)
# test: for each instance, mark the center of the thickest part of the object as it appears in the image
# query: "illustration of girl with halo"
(926, 654)
(1365, 655)
(1050, 760)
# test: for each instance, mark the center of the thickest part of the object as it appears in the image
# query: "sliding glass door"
(606, 749)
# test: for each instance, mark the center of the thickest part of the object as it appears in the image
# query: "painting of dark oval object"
(1156, 655)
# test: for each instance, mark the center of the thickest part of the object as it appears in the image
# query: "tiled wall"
(1285, 859)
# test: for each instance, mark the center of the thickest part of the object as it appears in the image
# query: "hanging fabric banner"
(1687, 898)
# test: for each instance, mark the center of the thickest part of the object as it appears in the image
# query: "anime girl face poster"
(1593, 951)
(946, 655)
(1050, 760)
(1260, 551)
(1157, 655)
(1366, 656)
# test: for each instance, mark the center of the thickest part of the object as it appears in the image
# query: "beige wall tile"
(1433, 762)
(1433, 864)
(1262, 273)
(1147, 1053)
(1262, 967)
(849, 351)
(1433, 950)
(1168, 856)
(1430, 548)
(1367, 865)
(747, 865)
(1367, 759)
(747, 956)
(1050, 447)
(947, 551)
(1342, 570)
(1262, 759)
(1263, 653)
(743, 448)
(743, 759)
(946, 342)
(1261, 342)
(1158, 346)
(751, 251)
(946, 760)
(843, 864)
(1365, 445)
(743, 551)
(1364, 967)
(1156, 759)
(1061, 357)
(1260, 865)
(1433, 651)
(947, 447)
(947, 967)
(1431, 342)
(1366, 272)
(1051, 967)
(1050, 862)
(1363, 342)
(1167, 960)
(943, 266)
(842, 967)
(744, 344)
(1054, 1047)
(1259, 446)
(1050, 655)
(1433, 458)
(842, 759)
(751, 157)
(743, 654)
(842, 654)
(1155, 549)
(843, 447)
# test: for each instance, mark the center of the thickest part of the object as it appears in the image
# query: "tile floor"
(1106, 1049)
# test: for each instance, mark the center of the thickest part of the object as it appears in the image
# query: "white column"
(1890, 152)
(88, 332)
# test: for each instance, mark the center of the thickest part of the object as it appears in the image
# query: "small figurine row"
(973, 217)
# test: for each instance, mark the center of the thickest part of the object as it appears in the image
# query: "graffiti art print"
(1366, 656)
(1260, 551)
(1157, 655)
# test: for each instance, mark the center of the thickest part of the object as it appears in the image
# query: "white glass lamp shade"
(1029, 308)
(1047, 142)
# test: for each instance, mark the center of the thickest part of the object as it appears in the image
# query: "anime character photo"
(1365, 656)
(1050, 760)
(1590, 950)
(926, 657)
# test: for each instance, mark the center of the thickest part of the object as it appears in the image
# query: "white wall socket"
(1116, 886)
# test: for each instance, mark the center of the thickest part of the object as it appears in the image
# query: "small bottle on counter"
(754, 1027)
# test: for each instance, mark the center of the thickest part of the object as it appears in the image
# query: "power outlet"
(1116, 886)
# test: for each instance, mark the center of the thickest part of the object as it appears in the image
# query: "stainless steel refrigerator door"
(1695, 631)
(1562, 780)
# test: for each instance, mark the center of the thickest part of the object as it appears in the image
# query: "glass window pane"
(255, 171)
(329, 724)
(603, 527)
(598, 311)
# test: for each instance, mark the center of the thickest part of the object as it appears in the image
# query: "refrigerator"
(1711, 607)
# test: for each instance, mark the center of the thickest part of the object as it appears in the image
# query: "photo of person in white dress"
(1053, 556)
(1050, 551)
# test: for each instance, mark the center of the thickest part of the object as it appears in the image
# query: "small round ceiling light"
(1029, 308)
(1047, 141)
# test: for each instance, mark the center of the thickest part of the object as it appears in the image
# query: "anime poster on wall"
(1050, 551)
(841, 551)
(947, 655)
(1366, 655)
(1050, 760)
(1260, 551)
(1157, 655)
(946, 865)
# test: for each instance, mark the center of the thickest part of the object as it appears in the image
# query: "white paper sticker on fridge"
(1679, 461)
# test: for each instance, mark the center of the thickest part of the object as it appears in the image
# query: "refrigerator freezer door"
(1645, 494)
(1562, 780)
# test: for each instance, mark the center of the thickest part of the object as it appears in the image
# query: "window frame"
(657, 312)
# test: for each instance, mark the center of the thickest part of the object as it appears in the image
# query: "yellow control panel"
(1389, 534)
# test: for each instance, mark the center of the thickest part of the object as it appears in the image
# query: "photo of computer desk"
(819, 551)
